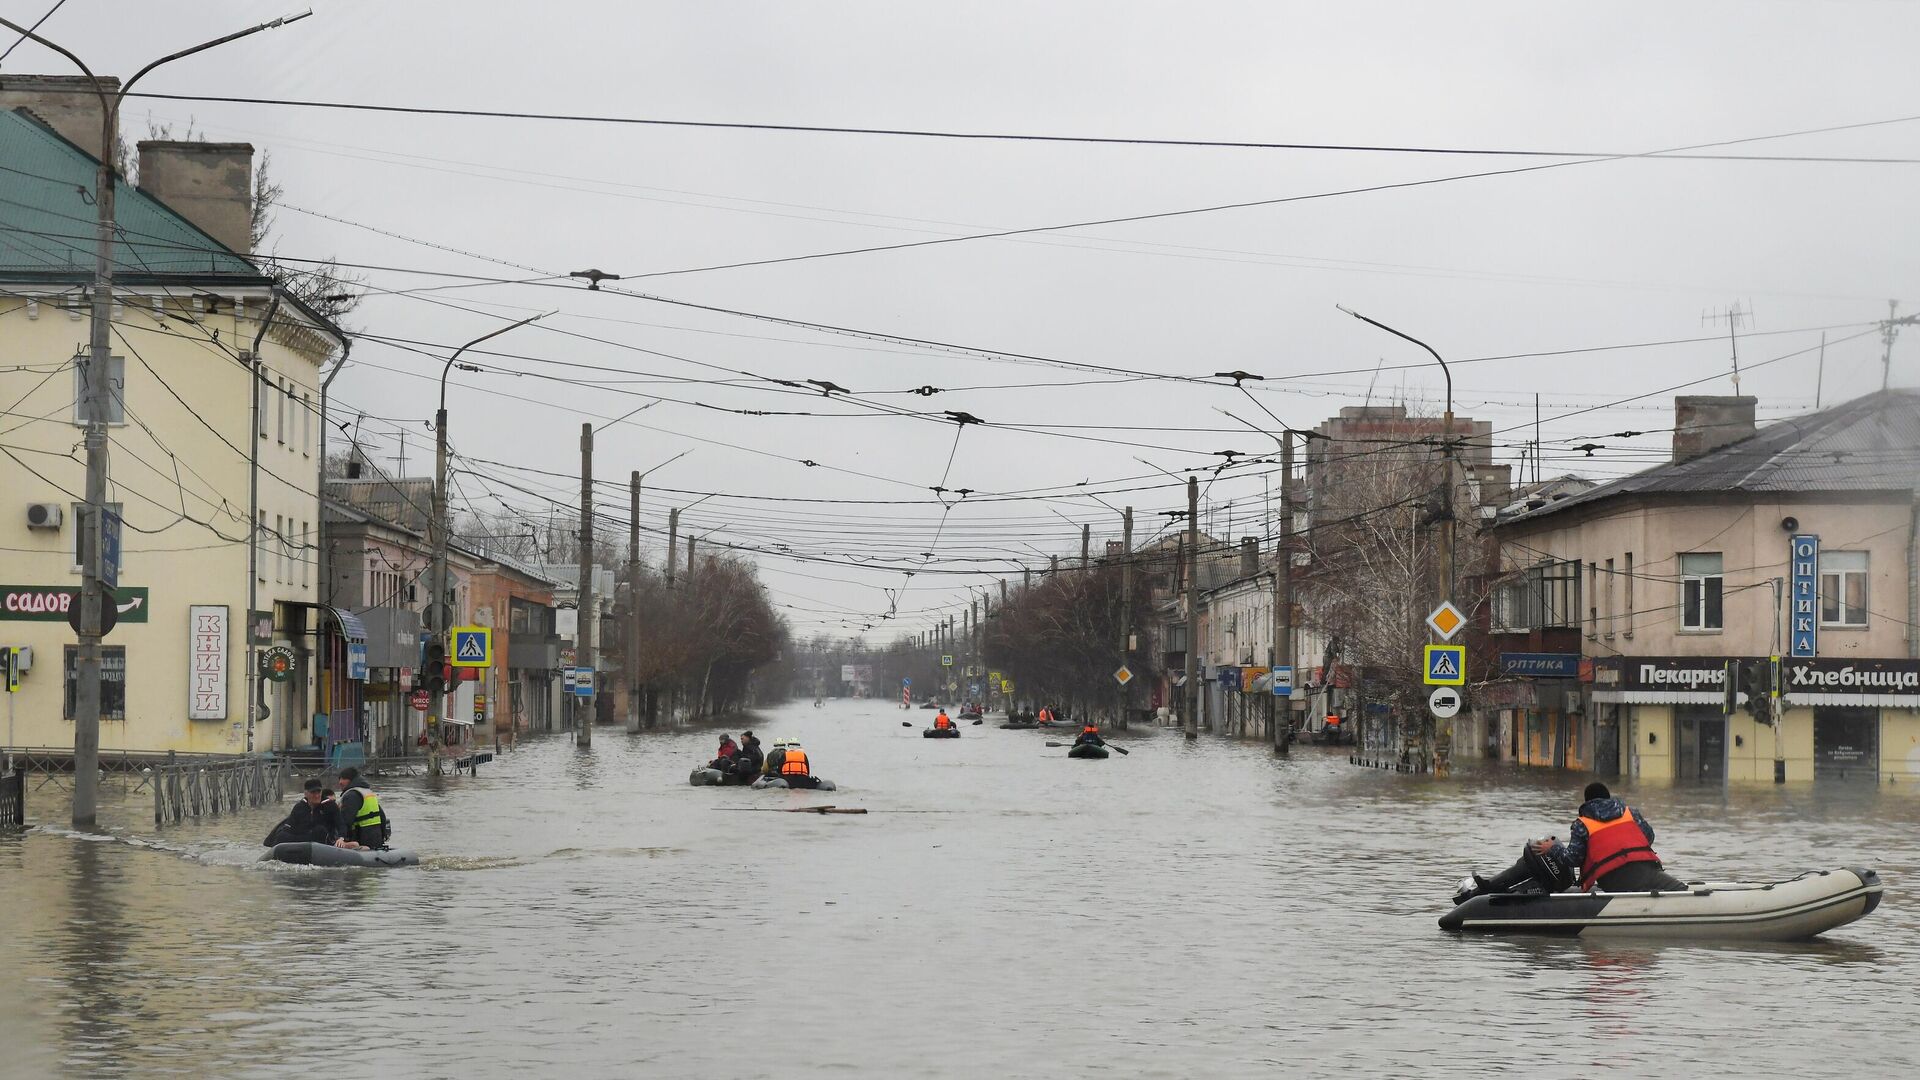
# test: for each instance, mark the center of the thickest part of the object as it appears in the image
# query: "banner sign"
(207, 662)
(1541, 665)
(1804, 597)
(50, 603)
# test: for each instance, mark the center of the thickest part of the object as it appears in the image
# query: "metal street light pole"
(94, 378)
(632, 621)
(439, 612)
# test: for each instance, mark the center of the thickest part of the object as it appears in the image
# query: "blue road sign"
(472, 647)
(583, 682)
(906, 682)
(1282, 681)
(110, 549)
(1446, 665)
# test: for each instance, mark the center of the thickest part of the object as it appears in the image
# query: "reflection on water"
(1191, 910)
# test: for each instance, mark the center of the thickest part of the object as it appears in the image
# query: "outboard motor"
(1551, 872)
(1533, 873)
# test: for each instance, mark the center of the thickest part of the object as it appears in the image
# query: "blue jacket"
(1574, 851)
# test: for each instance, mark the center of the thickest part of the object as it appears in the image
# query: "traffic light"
(1759, 683)
(434, 667)
(1731, 685)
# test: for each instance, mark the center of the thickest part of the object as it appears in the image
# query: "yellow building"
(186, 425)
(1799, 539)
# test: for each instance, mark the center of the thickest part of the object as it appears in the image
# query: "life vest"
(1046, 716)
(1612, 845)
(795, 763)
(370, 815)
(1089, 730)
(942, 721)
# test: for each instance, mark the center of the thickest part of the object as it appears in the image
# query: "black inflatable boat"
(328, 855)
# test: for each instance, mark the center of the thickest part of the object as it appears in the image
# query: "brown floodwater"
(1193, 909)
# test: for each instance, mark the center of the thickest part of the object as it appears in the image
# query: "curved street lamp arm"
(476, 341)
(1409, 337)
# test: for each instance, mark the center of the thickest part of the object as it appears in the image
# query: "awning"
(1884, 701)
(355, 633)
(1661, 697)
(456, 720)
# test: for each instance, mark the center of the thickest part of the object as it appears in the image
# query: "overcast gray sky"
(1594, 254)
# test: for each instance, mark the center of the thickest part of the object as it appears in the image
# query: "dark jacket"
(1574, 851)
(307, 824)
(374, 835)
(754, 755)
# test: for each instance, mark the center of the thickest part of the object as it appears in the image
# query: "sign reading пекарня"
(50, 603)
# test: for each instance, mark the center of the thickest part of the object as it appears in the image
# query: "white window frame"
(1629, 631)
(1841, 574)
(259, 564)
(1690, 581)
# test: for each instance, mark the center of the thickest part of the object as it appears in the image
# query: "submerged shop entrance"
(1846, 744)
(1700, 743)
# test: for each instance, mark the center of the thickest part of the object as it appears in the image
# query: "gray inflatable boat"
(811, 783)
(328, 855)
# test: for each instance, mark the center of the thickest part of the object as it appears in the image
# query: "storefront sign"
(1685, 673)
(50, 603)
(207, 662)
(1541, 665)
(1804, 597)
(277, 663)
(1850, 677)
(1815, 681)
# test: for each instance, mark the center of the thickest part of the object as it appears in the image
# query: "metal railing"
(208, 788)
(13, 800)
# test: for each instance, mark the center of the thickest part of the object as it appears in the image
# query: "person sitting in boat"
(1046, 714)
(724, 759)
(942, 722)
(1089, 736)
(750, 755)
(1610, 844)
(792, 766)
(362, 822)
(315, 819)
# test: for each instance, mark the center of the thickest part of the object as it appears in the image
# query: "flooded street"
(1189, 910)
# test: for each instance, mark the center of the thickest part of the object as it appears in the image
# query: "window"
(80, 534)
(114, 408)
(1700, 591)
(1843, 588)
(260, 390)
(1629, 594)
(305, 554)
(280, 411)
(1608, 612)
(1593, 596)
(113, 681)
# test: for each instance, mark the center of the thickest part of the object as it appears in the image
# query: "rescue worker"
(1610, 845)
(362, 821)
(1089, 736)
(942, 722)
(793, 767)
(1046, 715)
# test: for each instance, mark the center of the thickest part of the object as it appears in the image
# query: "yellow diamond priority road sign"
(1124, 675)
(1446, 620)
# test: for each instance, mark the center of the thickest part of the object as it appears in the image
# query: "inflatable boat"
(811, 783)
(1088, 751)
(707, 775)
(328, 855)
(1020, 725)
(1791, 910)
(940, 733)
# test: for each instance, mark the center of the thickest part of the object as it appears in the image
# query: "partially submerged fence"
(13, 800)
(196, 789)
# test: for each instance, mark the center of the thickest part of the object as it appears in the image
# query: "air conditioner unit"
(45, 515)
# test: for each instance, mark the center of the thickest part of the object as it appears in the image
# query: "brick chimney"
(1702, 424)
(65, 103)
(208, 183)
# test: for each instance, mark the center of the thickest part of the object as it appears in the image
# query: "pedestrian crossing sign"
(1446, 665)
(472, 647)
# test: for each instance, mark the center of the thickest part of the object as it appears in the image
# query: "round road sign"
(1444, 702)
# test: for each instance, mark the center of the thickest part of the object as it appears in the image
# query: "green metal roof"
(48, 219)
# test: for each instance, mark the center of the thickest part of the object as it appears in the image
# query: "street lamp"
(633, 578)
(94, 378)
(439, 612)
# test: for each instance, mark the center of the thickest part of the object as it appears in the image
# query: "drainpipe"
(1913, 580)
(253, 517)
(323, 552)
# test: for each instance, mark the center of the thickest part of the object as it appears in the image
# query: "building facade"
(203, 576)
(1796, 540)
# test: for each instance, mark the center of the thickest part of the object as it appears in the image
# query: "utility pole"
(1193, 608)
(691, 540)
(587, 617)
(1126, 613)
(1888, 331)
(1086, 537)
(673, 542)
(1281, 726)
(632, 621)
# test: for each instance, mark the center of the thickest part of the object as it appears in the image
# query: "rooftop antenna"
(1734, 316)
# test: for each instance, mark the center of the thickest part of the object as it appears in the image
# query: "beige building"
(185, 428)
(1796, 540)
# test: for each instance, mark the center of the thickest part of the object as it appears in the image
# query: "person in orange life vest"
(942, 722)
(1089, 736)
(793, 763)
(1046, 714)
(1612, 845)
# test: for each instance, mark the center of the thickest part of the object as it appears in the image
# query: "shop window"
(113, 681)
(1700, 591)
(1843, 588)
